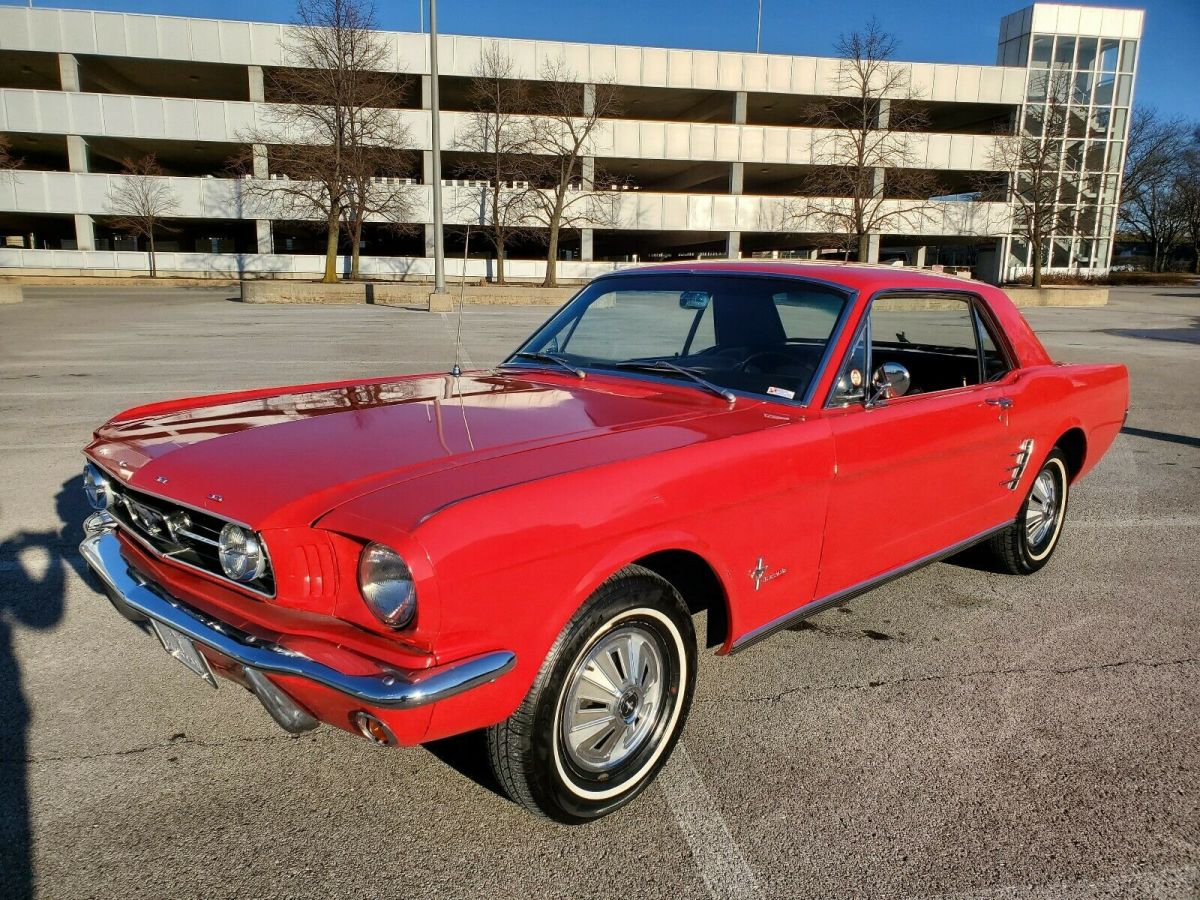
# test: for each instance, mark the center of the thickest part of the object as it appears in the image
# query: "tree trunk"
(153, 262)
(500, 262)
(864, 248)
(354, 251)
(551, 279)
(1037, 269)
(331, 239)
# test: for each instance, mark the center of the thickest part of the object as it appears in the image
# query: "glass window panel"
(1104, 89)
(1077, 121)
(1062, 254)
(935, 325)
(1043, 46)
(1090, 188)
(1100, 119)
(1114, 156)
(1084, 254)
(1101, 253)
(1068, 191)
(1083, 89)
(1018, 253)
(1108, 55)
(1087, 220)
(1118, 130)
(1074, 156)
(1128, 55)
(1064, 52)
(1085, 59)
(1124, 88)
(1109, 194)
(1106, 218)
(1034, 120)
(1037, 85)
(1095, 156)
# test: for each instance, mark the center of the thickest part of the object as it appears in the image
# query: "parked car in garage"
(522, 549)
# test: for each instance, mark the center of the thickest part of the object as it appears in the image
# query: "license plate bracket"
(184, 649)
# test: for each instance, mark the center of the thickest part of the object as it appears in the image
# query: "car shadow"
(467, 754)
(34, 574)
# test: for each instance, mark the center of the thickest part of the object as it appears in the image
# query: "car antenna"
(462, 288)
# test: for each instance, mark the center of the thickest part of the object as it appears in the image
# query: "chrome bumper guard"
(392, 689)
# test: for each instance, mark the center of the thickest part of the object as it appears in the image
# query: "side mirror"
(888, 381)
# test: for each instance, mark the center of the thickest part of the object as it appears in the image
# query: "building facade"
(706, 158)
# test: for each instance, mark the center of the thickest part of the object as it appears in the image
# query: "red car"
(522, 549)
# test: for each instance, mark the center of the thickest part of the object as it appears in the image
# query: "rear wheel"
(607, 706)
(1028, 543)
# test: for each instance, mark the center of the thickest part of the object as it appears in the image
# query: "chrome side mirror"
(888, 381)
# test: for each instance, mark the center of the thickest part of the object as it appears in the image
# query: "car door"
(919, 472)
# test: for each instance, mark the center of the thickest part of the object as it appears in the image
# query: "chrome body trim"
(390, 689)
(815, 606)
(1022, 457)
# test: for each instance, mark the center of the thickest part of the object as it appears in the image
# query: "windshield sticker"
(781, 392)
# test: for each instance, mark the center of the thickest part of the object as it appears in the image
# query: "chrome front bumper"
(391, 689)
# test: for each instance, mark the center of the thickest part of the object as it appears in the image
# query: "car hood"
(285, 457)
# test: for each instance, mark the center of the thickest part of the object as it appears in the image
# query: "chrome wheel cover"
(613, 699)
(1041, 512)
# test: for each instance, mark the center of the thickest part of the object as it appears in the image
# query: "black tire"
(529, 753)
(1014, 549)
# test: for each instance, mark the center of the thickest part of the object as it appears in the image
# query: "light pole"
(439, 251)
(758, 35)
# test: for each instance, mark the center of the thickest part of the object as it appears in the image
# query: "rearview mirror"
(888, 381)
(694, 299)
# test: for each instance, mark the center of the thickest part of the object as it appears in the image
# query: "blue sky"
(959, 31)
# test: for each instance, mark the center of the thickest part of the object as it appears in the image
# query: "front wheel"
(1027, 544)
(607, 706)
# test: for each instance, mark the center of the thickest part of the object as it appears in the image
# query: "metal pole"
(439, 251)
(758, 37)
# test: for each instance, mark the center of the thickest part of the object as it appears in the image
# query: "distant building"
(711, 146)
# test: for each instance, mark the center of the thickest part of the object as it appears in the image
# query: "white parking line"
(716, 855)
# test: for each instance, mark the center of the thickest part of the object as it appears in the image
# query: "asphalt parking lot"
(953, 734)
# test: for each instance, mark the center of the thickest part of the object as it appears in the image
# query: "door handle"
(1002, 402)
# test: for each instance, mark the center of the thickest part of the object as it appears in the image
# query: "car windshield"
(749, 333)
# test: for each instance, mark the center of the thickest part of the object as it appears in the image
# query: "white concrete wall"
(246, 43)
(179, 119)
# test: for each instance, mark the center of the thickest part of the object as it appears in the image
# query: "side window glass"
(850, 386)
(995, 366)
(932, 337)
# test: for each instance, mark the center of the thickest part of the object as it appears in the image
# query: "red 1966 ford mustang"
(522, 549)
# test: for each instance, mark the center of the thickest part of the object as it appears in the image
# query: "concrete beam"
(258, 93)
(585, 245)
(733, 245)
(737, 177)
(68, 72)
(85, 233)
(588, 172)
(429, 240)
(261, 167)
(77, 159)
(919, 260)
(426, 92)
(263, 229)
(739, 108)
(589, 99)
(872, 249)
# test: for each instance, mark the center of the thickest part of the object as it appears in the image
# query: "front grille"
(185, 535)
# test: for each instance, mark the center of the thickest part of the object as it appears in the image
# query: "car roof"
(857, 276)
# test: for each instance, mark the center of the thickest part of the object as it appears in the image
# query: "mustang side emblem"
(760, 574)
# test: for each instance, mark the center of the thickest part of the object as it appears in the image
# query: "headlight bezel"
(387, 586)
(97, 488)
(241, 553)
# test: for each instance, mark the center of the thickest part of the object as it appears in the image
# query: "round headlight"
(96, 486)
(241, 553)
(387, 585)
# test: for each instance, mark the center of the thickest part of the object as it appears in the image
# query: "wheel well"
(1074, 446)
(699, 586)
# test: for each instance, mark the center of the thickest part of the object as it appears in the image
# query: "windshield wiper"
(661, 365)
(551, 357)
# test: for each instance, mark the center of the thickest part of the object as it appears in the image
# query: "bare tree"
(867, 178)
(499, 137)
(1031, 158)
(569, 117)
(1155, 165)
(7, 160)
(139, 199)
(1188, 198)
(333, 132)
